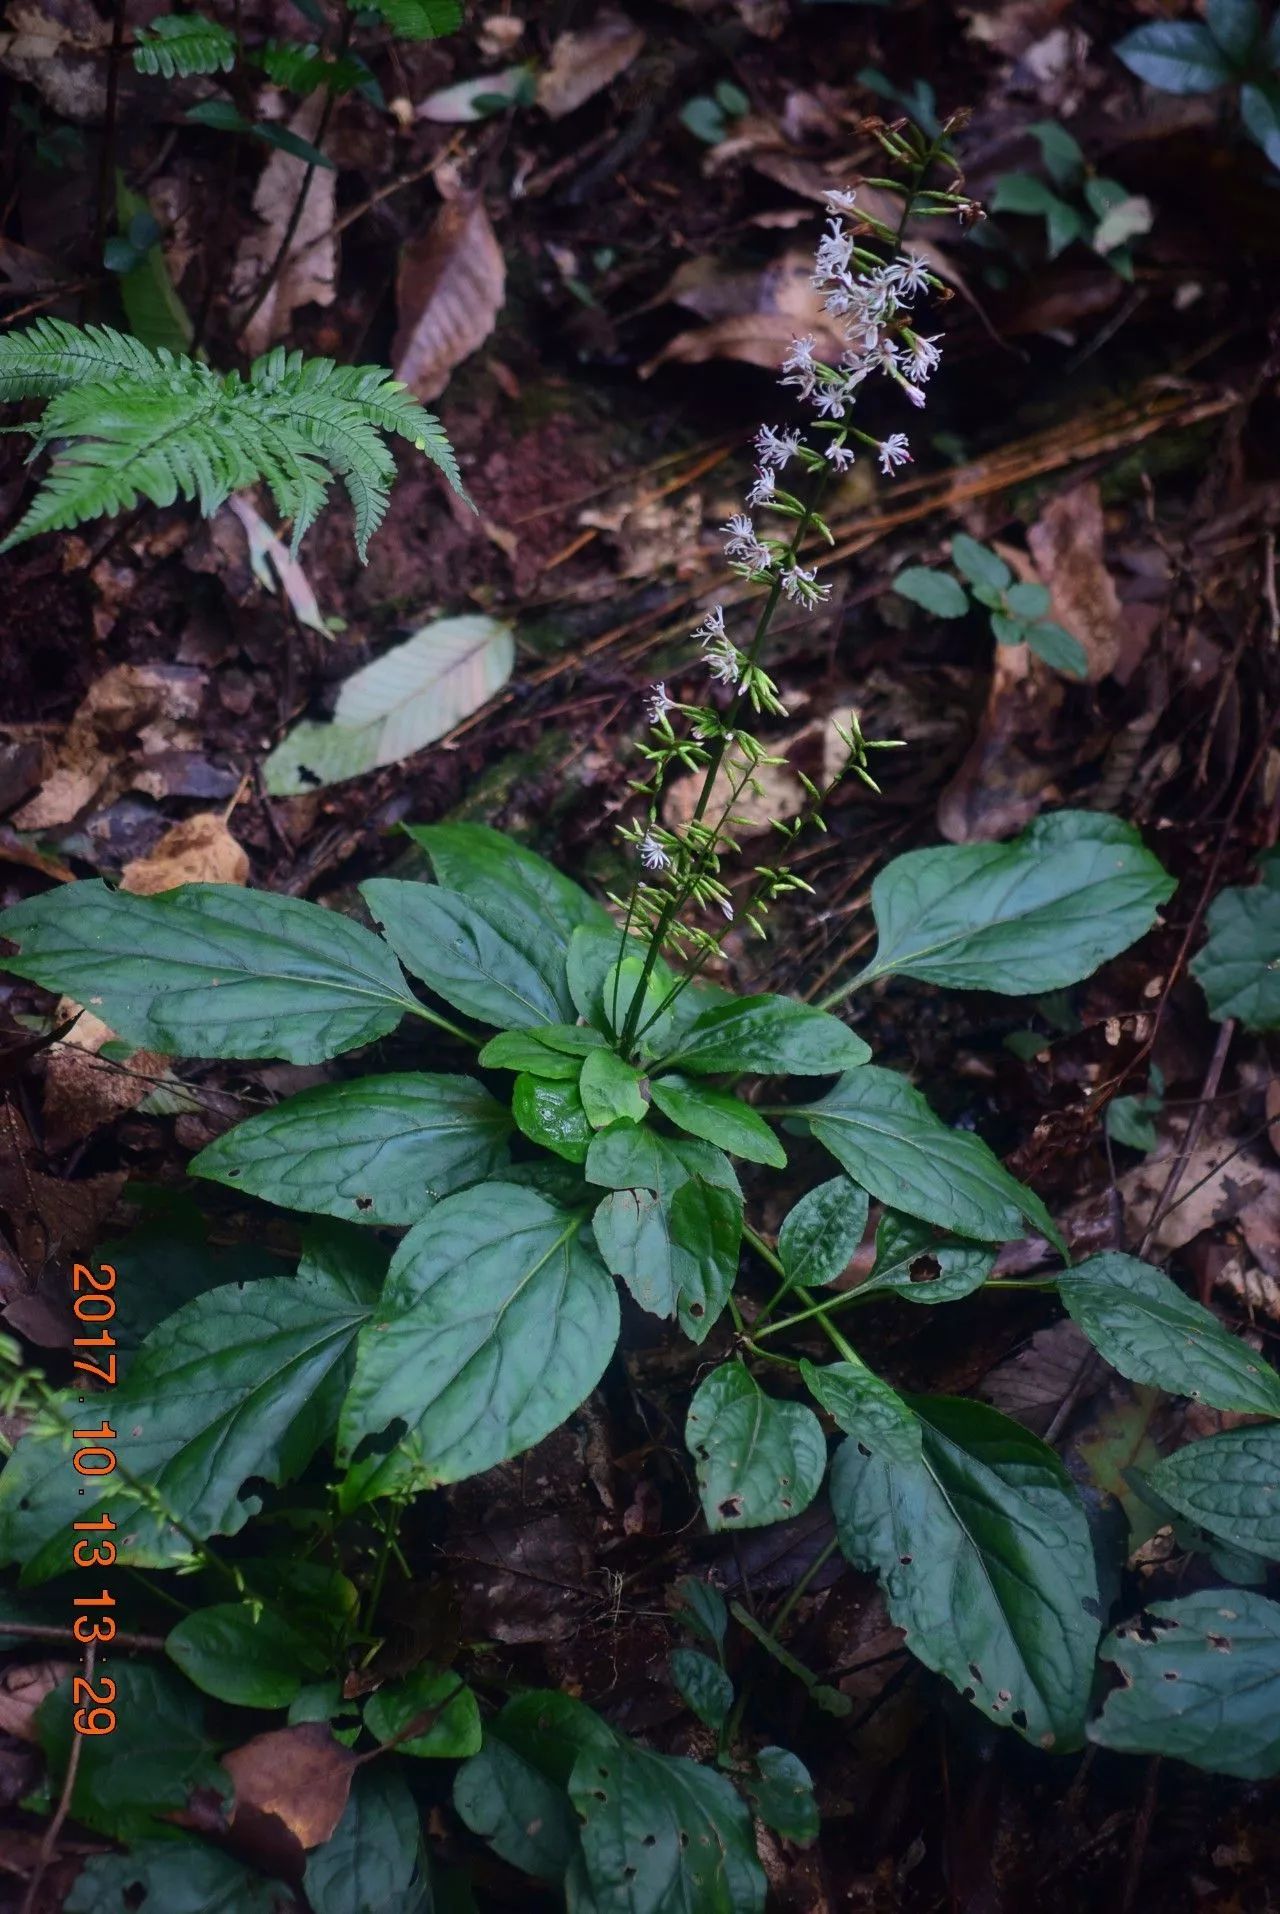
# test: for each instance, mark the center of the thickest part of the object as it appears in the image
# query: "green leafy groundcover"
(269, 1426)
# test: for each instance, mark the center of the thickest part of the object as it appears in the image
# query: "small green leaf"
(706, 1234)
(1146, 1328)
(179, 1874)
(705, 119)
(494, 1323)
(699, 1607)
(492, 965)
(719, 1118)
(818, 1239)
(1062, 154)
(1229, 1485)
(1007, 631)
(211, 970)
(604, 973)
(373, 1861)
(155, 313)
(610, 1089)
(675, 1252)
(1239, 967)
(1034, 914)
(453, 1729)
(378, 1150)
(702, 1685)
(244, 1653)
(914, 1262)
(513, 1793)
(758, 1460)
(781, 1791)
(773, 1036)
(980, 565)
(937, 592)
(983, 1550)
(884, 1134)
(128, 1782)
(285, 140)
(1129, 1121)
(1236, 26)
(1176, 56)
(1027, 600)
(540, 1052)
(178, 45)
(1201, 1683)
(634, 1156)
(552, 1115)
(1058, 648)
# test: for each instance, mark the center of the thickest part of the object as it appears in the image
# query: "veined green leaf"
(1201, 1683)
(934, 591)
(758, 1460)
(817, 1241)
(454, 1730)
(702, 1685)
(493, 965)
(884, 1134)
(611, 1089)
(630, 1156)
(1035, 914)
(377, 1150)
(1146, 1328)
(676, 1248)
(913, 1262)
(244, 1653)
(1230, 1485)
(551, 1114)
(1239, 967)
(179, 1873)
(491, 868)
(719, 1118)
(495, 1322)
(980, 565)
(771, 1035)
(211, 970)
(373, 1862)
(513, 1794)
(129, 1781)
(528, 1051)
(782, 1791)
(1177, 56)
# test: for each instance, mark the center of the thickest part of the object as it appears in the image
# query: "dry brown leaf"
(754, 316)
(310, 269)
(581, 64)
(126, 703)
(449, 292)
(83, 1091)
(56, 46)
(291, 1787)
(22, 1689)
(1008, 770)
(1066, 543)
(1221, 1183)
(200, 850)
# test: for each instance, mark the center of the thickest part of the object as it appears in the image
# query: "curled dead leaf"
(754, 315)
(125, 702)
(200, 850)
(291, 1787)
(583, 63)
(309, 270)
(1009, 768)
(1066, 543)
(449, 291)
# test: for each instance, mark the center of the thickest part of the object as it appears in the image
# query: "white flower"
(658, 703)
(742, 545)
(723, 662)
(840, 456)
(776, 448)
(652, 854)
(762, 491)
(829, 403)
(801, 587)
(841, 199)
(911, 274)
(712, 626)
(800, 357)
(925, 356)
(835, 249)
(913, 392)
(727, 907)
(894, 451)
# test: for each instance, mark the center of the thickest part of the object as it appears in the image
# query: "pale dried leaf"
(1007, 774)
(583, 63)
(200, 850)
(754, 316)
(274, 565)
(125, 702)
(309, 272)
(404, 700)
(456, 105)
(449, 292)
(23, 1688)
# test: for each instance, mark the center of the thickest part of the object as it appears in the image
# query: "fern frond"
(130, 424)
(301, 68)
(178, 45)
(420, 19)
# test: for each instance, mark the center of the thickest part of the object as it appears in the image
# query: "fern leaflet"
(180, 44)
(420, 19)
(128, 423)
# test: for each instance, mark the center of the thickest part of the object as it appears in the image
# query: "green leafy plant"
(1016, 609)
(1231, 47)
(128, 423)
(710, 117)
(1075, 203)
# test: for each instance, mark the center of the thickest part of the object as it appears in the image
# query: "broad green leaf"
(611, 1089)
(1027, 600)
(884, 1134)
(1201, 1683)
(937, 592)
(781, 1789)
(699, 1607)
(817, 1241)
(757, 1460)
(1021, 193)
(676, 1247)
(773, 1036)
(528, 1051)
(980, 565)
(719, 1118)
(662, 1834)
(913, 1262)
(244, 1653)
(155, 313)
(864, 1406)
(513, 1793)
(1056, 645)
(177, 1874)
(1239, 967)
(491, 868)
(1130, 1120)
(604, 973)
(242, 1383)
(1230, 1485)
(494, 965)
(551, 1115)
(633, 1156)
(1235, 25)
(211, 970)
(397, 704)
(1140, 1321)
(702, 1685)
(149, 1767)
(377, 1150)
(1260, 112)
(1176, 56)
(453, 1728)
(983, 1550)
(1035, 914)
(494, 1323)
(1062, 154)
(373, 1862)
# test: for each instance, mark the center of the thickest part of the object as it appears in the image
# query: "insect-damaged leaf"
(1230, 1485)
(757, 1460)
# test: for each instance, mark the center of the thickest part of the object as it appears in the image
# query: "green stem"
(801, 1588)
(833, 1335)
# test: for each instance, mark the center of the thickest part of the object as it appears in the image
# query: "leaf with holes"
(439, 1701)
(178, 1873)
(1230, 1485)
(1239, 967)
(397, 705)
(818, 1239)
(513, 1793)
(702, 1685)
(884, 1134)
(770, 1035)
(719, 1118)
(491, 964)
(494, 1323)
(914, 1262)
(757, 1460)
(981, 1544)
(1146, 1328)
(676, 1247)
(1201, 1683)
(660, 1832)
(211, 970)
(378, 1150)
(1034, 914)
(781, 1790)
